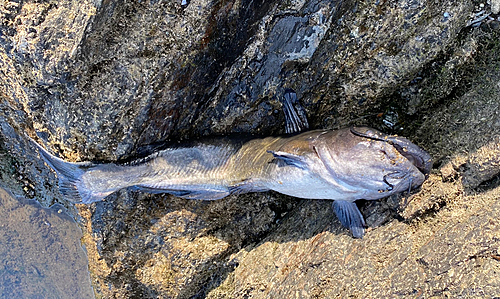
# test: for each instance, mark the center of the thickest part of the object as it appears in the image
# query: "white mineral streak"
(495, 6)
(312, 41)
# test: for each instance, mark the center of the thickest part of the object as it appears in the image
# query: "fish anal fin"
(350, 217)
(246, 186)
(200, 194)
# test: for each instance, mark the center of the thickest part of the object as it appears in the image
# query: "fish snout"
(417, 156)
(412, 152)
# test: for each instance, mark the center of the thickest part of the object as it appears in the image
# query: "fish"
(342, 165)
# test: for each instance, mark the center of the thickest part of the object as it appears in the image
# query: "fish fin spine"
(295, 114)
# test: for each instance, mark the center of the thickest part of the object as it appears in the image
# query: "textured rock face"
(106, 81)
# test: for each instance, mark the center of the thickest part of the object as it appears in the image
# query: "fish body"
(340, 165)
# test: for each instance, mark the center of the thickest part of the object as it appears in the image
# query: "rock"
(483, 165)
(108, 81)
(41, 252)
(424, 259)
(495, 6)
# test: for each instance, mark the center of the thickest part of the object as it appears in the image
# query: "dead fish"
(340, 165)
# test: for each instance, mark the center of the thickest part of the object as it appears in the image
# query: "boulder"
(110, 80)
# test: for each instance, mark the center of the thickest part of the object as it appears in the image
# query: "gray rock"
(495, 6)
(108, 81)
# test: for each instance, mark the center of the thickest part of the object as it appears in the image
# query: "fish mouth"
(417, 156)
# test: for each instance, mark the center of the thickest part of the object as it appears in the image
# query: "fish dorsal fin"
(350, 217)
(295, 114)
(290, 159)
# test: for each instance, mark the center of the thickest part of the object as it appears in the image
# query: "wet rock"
(108, 81)
(41, 252)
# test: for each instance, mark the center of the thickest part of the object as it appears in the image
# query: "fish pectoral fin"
(350, 217)
(290, 159)
(295, 114)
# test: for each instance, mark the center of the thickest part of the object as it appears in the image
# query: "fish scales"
(203, 166)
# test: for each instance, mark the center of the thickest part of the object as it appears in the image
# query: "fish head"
(372, 163)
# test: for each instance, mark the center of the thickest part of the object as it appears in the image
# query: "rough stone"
(112, 80)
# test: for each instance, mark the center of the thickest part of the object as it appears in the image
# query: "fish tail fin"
(70, 177)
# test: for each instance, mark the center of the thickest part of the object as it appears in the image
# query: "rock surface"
(40, 252)
(107, 81)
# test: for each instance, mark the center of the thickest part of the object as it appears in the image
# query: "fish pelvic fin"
(70, 177)
(350, 217)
